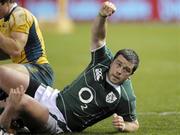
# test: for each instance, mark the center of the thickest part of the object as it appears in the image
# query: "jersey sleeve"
(128, 111)
(101, 54)
(21, 21)
(127, 104)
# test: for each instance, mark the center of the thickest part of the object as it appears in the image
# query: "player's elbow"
(15, 52)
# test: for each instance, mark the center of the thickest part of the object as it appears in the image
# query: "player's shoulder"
(19, 11)
(21, 15)
(128, 89)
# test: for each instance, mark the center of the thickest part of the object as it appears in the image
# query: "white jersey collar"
(13, 6)
(117, 87)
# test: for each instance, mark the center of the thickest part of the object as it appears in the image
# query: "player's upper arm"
(20, 39)
(97, 43)
(101, 54)
(20, 23)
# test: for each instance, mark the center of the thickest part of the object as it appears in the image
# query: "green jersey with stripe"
(92, 97)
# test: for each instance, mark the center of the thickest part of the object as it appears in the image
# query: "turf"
(156, 82)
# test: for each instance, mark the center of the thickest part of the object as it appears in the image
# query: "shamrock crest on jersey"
(111, 97)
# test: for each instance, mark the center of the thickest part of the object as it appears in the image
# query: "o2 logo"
(85, 96)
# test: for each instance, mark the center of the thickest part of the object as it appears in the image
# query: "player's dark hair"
(130, 55)
(5, 1)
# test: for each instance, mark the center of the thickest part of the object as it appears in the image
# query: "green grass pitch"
(156, 83)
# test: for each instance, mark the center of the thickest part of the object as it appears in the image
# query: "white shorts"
(47, 97)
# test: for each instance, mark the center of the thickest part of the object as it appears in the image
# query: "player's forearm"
(131, 126)
(99, 29)
(9, 45)
(99, 32)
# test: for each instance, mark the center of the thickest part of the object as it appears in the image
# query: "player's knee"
(2, 69)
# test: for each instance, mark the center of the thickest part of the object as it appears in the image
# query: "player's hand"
(118, 122)
(107, 9)
(15, 97)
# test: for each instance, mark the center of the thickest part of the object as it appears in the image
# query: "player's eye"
(119, 64)
(127, 70)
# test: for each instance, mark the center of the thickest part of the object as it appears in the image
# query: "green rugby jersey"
(91, 97)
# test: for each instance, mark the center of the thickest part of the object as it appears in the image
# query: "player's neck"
(9, 8)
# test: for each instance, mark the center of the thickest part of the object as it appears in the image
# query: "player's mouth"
(116, 78)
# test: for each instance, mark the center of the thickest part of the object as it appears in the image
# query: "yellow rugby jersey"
(21, 20)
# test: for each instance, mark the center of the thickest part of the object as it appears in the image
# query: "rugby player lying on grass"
(103, 89)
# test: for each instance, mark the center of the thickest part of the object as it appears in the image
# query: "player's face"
(4, 9)
(120, 70)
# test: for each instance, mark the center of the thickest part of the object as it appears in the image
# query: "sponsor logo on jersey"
(98, 74)
(87, 98)
(111, 97)
(83, 107)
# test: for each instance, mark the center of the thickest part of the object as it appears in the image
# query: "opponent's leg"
(23, 104)
(13, 78)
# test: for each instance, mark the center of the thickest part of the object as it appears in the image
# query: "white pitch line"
(159, 113)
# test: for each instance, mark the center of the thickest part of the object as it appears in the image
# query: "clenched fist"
(107, 9)
(118, 122)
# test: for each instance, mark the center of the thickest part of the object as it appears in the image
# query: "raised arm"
(99, 26)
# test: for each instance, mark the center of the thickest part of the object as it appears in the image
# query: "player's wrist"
(122, 128)
(101, 15)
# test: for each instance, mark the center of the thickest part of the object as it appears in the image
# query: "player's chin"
(118, 81)
(115, 81)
